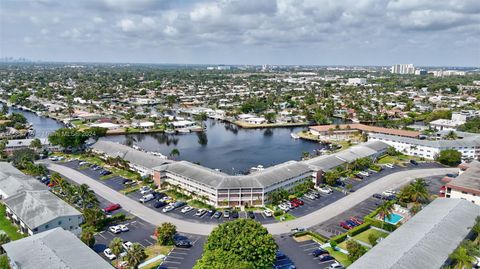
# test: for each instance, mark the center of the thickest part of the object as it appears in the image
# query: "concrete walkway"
(391, 181)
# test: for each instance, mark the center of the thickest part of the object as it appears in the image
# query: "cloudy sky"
(319, 32)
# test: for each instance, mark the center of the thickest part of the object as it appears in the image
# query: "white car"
(389, 165)
(364, 173)
(108, 253)
(284, 207)
(168, 208)
(127, 245)
(115, 229)
(187, 209)
(145, 190)
(336, 265)
(389, 192)
(146, 198)
(326, 190)
(200, 212)
(268, 212)
(123, 227)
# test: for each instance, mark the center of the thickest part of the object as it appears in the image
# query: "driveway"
(391, 181)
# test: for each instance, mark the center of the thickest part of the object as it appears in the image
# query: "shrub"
(277, 213)
(359, 229)
(372, 239)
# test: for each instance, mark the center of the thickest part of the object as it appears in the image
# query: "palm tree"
(461, 258)
(419, 191)
(3, 240)
(385, 211)
(116, 247)
(174, 153)
(135, 255)
(87, 196)
(305, 155)
(451, 135)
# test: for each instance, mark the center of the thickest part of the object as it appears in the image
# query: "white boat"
(183, 131)
(169, 131)
(136, 147)
(257, 168)
(294, 136)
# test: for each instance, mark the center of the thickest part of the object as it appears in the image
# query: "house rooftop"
(36, 208)
(468, 180)
(366, 128)
(54, 248)
(426, 240)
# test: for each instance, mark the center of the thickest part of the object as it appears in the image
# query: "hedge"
(359, 229)
(381, 224)
(339, 238)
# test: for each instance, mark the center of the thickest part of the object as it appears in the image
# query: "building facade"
(466, 186)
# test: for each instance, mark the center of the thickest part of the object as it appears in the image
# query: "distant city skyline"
(251, 32)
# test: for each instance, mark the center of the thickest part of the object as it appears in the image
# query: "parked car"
(319, 251)
(344, 225)
(145, 190)
(378, 196)
(108, 253)
(325, 257)
(389, 192)
(389, 165)
(325, 190)
(356, 220)
(146, 198)
(279, 255)
(186, 209)
(234, 215)
(413, 162)
(179, 204)
(183, 243)
(159, 204)
(226, 214)
(251, 215)
(168, 208)
(268, 212)
(359, 176)
(351, 223)
(127, 245)
(123, 227)
(111, 208)
(127, 182)
(336, 265)
(364, 173)
(217, 214)
(115, 229)
(200, 212)
(105, 173)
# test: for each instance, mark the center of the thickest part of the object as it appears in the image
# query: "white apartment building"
(469, 145)
(467, 185)
(357, 81)
(403, 69)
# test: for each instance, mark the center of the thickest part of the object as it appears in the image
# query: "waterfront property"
(31, 206)
(139, 161)
(426, 240)
(55, 248)
(348, 129)
(468, 145)
(17, 144)
(223, 190)
(467, 184)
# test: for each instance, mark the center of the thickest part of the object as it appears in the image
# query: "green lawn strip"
(287, 217)
(364, 236)
(199, 204)
(177, 195)
(6, 226)
(339, 256)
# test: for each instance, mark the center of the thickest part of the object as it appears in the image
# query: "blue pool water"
(394, 219)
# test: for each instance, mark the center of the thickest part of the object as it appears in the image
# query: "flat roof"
(467, 141)
(365, 128)
(468, 180)
(426, 240)
(55, 248)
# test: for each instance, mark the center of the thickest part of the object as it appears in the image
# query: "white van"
(147, 198)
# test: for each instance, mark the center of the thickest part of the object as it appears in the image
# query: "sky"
(275, 32)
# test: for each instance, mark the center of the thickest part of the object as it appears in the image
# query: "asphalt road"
(392, 181)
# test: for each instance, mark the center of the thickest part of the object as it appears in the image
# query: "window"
(47, 226)
(59, 222)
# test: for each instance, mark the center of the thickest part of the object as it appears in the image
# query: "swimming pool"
(394, 219)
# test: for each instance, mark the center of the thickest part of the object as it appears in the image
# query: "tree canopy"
(450, 157)
(243, 243)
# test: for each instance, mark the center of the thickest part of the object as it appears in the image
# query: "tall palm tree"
(116, 248)
(3, 240)
(419, 191)
(87, 196)
(135, 255)
(385, 211)
(461, 258)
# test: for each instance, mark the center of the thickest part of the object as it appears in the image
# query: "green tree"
(165, 233)
(450, 157)
(416, 192)
(220, 259)
(174, 153)
(461, 259)
(22, 157)
(36, 144)
(245, 240)
(355, 250)
(88, 236)
(372, 239)
(87, 196)
(69, 138)
(116, 247)
(135, 255)
(3, 240)
(385, 211)
(270, 117)
(392, 151)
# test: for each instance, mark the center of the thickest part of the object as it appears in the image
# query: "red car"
(345, 225)
(294, 204)
(297, 202)
(112, 207)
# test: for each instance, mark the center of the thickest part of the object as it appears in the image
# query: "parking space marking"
(174, 262)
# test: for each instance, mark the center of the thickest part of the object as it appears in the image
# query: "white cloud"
(127, 25)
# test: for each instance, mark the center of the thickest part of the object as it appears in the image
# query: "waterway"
(222, 146)
(226, 147)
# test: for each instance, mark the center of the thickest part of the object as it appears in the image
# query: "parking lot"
(184, 258)
(301, 252)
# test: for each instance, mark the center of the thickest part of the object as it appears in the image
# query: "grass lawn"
(153, 251)
(339, 256)
(287, 217)
(400, 159)
(7, 226)
(364, 236)
(343, 245)
(198, 204)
